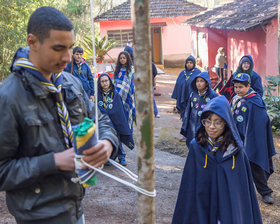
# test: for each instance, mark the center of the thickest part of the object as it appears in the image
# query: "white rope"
(139, 189)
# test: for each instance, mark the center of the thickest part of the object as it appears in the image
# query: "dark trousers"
(260, 179)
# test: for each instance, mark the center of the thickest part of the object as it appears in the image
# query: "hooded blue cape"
(115, 111)
(256, 80)
(254, 128)
(195, 106)
(182, 89)
(217, 187)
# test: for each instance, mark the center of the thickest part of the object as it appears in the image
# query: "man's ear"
(32, 41)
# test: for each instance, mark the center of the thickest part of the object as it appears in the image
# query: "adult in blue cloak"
(246, 65)
(217, 185)
(182, 89)
(197, 102)
(253, 124)
(110, 103)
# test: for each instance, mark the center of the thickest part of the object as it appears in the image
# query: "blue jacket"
(182, 89)
(217, 187)
(84, 75)
(195, 106)
(254, 127)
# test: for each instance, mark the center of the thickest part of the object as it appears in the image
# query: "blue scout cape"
(256, 80)
(195, 106)
(254, 127)
(182, 88)
(217, 187)
(115, 110)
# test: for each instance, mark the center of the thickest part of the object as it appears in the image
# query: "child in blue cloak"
(246, 65)
(110, 103)
(124, 85)
(253, 124)
(199, 97)
(182, 89)
(217, 184)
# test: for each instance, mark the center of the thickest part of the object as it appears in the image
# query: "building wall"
(176, 38)
(272, 49)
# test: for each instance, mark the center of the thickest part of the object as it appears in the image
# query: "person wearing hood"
(110, 103)
(201, 94)
(254, 127)
(217, 184)
(182, 89)
(80, 69)
(246, 65)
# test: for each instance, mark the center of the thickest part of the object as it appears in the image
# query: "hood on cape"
(203, 75)
(100, 90)
(190, 58)
(257, 99)
(250, 59)
(22, 52)
(220, 106)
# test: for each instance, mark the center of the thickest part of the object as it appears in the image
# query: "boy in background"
(253, 124)
(80, 69)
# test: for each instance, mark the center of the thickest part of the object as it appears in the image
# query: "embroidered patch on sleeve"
(239, 118)
(244, 109)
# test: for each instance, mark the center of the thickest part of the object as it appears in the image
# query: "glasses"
(217, 124)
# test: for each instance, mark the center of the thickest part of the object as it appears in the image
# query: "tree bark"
(144, 107)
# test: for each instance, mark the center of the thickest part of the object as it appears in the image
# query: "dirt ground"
(111, 202)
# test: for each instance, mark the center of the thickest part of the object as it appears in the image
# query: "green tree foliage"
(273, 102)
(102, 46)
(13, 22)
(15, 14)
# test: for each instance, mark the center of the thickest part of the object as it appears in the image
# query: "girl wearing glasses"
(217, 184)
(201, 94)
(110, 103)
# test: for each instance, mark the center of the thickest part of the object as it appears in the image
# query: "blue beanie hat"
(245, 59)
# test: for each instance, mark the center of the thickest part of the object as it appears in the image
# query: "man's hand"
(65, 160)
(92, 98)
(98, 154)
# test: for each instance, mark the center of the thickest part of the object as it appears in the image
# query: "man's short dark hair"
(45, 19)
(78, 49)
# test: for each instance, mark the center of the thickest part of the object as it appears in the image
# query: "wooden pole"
(144, 108)
(94, 69)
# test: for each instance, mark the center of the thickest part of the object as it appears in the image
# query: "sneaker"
(123, 162)
(108, 163)
(157, 116)
(183, 139)
(268, 199)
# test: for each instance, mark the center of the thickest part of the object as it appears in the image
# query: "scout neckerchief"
(107, 99)
(237, 99)
(55, 88)
(203, 94)
(189, 75)
(215, 146)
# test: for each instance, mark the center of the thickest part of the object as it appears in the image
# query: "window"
(122, 36)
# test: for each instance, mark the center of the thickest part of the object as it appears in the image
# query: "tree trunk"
(144, 107)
